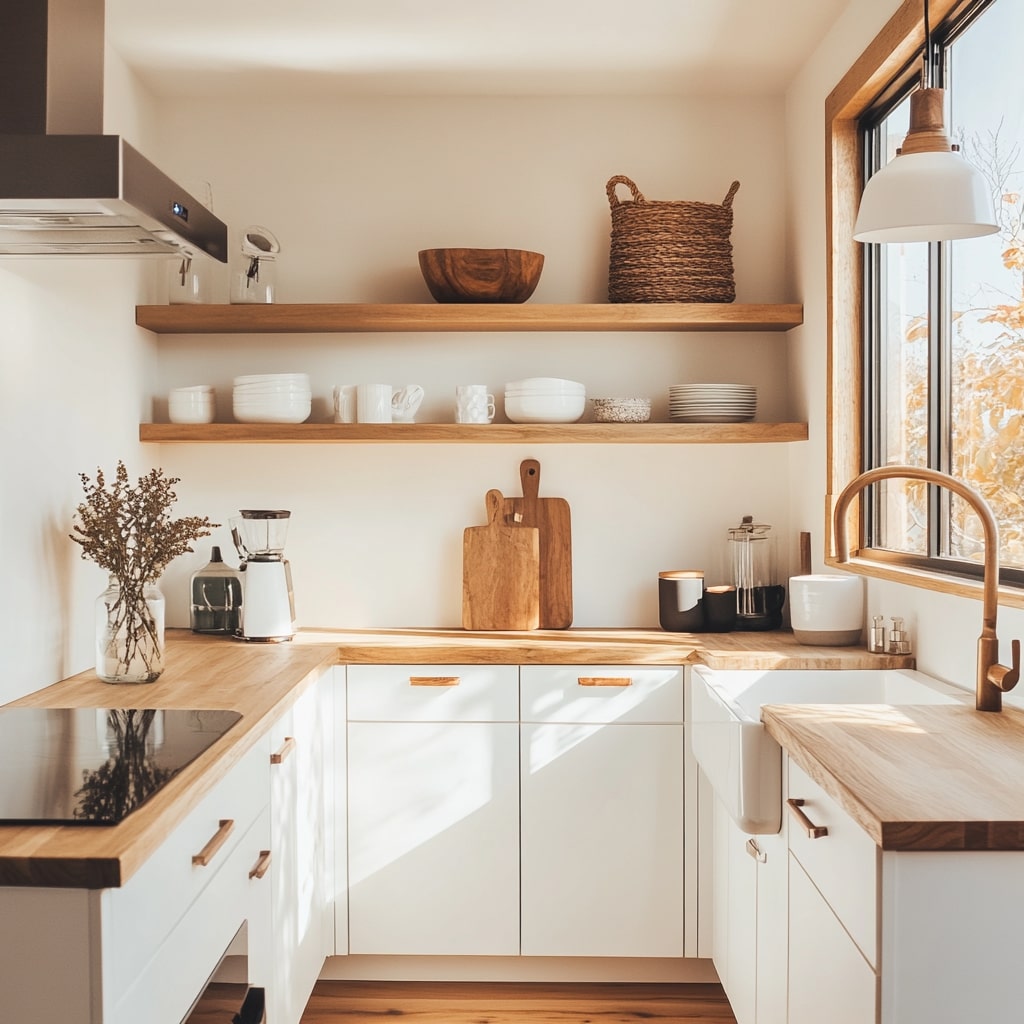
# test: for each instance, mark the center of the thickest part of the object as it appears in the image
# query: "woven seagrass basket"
(669, 251)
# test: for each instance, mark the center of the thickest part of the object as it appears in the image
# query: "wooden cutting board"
(551, 517)
(500, 573)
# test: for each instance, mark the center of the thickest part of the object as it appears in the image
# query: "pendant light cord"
(927, 71)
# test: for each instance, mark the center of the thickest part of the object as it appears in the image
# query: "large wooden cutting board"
(500, 573)
(551, 517)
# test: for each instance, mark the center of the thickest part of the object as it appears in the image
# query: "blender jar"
(262, 533)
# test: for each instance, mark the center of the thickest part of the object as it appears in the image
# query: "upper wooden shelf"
(330, 318)
(491, 433)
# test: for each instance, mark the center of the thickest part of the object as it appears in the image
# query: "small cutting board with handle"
(551, 517)
(500, 573)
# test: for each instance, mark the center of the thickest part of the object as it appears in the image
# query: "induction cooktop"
(94, 766)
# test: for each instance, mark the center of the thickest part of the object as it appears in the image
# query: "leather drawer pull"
(220, 837)
(434, 680)
(605, 680)
(813, 831)
(286, 748)
(262, 866)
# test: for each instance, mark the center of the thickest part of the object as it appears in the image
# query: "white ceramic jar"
(827, 610)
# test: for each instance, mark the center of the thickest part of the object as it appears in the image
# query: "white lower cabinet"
(749, 908)
(602, 811)
(833, 909)
(144, 951)
(433, 810)
(302, 921)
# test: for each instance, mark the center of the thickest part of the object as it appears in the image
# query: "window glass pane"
(903, 358)
(986, 431)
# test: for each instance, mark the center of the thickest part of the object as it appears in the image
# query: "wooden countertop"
(768, 650)
(936, 777)
(261, 681)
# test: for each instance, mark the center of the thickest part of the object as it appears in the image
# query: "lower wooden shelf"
(459, 433)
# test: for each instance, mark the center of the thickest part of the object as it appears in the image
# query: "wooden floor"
(367, 1002)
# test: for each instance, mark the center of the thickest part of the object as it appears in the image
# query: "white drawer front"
(163, 989)
(842, 864)
(433, 693)
(601, 693)
(139, 916)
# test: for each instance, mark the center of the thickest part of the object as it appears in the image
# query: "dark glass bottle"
(216, 597)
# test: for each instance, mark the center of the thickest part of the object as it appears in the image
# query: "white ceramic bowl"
(545, 386)
(272, 412)
(826, 609)
(273, 378)
(191, 404)
(544, 408)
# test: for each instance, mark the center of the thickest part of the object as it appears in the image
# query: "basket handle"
(621, 179)
(733, 189)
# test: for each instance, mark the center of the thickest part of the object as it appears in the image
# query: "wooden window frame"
(888, 61)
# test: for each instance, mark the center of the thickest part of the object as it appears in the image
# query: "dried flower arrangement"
(129, 532)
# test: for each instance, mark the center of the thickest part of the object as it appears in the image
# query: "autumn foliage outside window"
(945, 323)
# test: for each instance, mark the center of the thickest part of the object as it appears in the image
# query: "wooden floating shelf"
(457, 433)
(332, 318)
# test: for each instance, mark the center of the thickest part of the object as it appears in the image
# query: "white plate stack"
(712, 403)
(272, 398)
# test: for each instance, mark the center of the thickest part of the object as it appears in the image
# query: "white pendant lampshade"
(929, 192)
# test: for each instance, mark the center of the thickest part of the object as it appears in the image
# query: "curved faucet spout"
(992, 678)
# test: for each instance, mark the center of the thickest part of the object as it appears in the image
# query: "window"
(943, 361)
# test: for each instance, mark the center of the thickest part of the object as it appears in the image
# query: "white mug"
(344, 403)
(473, 404)
(405, 402)
(373, 403)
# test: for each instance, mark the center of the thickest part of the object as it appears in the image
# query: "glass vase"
(130, 633)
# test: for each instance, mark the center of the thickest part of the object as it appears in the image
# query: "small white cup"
(473, 404)
(405, 402)
(191, 404)
(344, 403)
(373, 403)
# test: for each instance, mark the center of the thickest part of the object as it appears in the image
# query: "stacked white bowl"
(191, 405)
(272, 398)
(545, 400)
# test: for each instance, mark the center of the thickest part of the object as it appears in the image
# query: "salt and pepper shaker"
(876, 636)
(899, 643)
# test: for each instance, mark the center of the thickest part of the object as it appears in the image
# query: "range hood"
(65, 188)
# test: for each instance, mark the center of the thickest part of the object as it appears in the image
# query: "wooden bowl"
(481, 275)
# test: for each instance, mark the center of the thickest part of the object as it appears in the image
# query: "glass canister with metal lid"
(216, 597)
(751, 559)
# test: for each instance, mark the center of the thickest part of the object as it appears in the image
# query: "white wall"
(354, 189)
(75, 373)
(943, 629)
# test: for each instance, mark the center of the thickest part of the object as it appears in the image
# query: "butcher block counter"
(261, 681)
(935, 777)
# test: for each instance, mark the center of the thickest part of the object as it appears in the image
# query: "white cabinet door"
(735, 915)
(602, 810)
(300, 909)
(602, 840)
(829, 979)
(433, 838)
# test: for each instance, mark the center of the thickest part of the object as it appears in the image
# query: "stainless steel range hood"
(65, 188)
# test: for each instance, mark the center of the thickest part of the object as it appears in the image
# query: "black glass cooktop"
(94, 766)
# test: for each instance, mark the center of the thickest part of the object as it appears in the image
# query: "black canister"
(680, 600)
(216, 597)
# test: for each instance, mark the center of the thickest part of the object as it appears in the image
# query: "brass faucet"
(992, 679)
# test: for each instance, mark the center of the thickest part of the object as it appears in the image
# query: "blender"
(268, 604)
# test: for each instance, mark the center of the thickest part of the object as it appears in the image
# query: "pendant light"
(929, 192)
